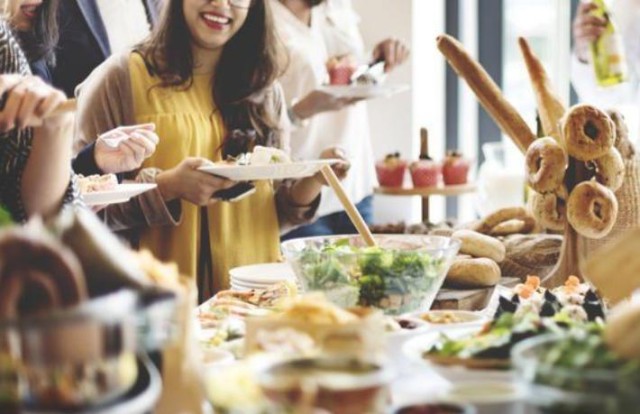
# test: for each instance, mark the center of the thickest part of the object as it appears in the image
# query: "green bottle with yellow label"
(607, 52)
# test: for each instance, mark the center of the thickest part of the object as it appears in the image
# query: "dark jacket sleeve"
(41, 69)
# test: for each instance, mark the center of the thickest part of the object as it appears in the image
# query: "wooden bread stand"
(426, 192)
(572, 251)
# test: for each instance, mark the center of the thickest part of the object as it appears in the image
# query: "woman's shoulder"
(12, 58)
(114, 70)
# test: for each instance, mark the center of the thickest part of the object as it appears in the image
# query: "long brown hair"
(41, 41)
(247, 68)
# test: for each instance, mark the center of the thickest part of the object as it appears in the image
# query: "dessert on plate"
(425, 172)
(391, 170)
(96, 182)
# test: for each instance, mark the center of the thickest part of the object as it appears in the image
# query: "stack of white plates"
(260, 276)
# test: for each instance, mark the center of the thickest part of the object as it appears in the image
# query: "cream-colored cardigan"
(105, 102)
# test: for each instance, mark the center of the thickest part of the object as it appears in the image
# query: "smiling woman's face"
(21, 13)
(213, 23)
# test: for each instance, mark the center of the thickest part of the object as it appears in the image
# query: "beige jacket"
(105, 102)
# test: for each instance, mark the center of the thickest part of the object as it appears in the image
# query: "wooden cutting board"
(470, 299)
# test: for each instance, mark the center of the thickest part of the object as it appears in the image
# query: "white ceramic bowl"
(467, 319)
(414, 349)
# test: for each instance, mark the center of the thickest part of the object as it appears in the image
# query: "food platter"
(121, 194)
(294, 170)
(364, 91)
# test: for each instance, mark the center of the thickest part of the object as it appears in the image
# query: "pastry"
(622, 142)
(94, 183)
(480, 245)
(473, 273)
(37, 273)
(487, 92)
(551, 209)
(455, 169)
(550, 108)
(609, 169)
(588, 132)
(592, 209)
(523, 225)
(425, 173)
(546, 164)
(487, 224)
(340, 70)
(391, 170)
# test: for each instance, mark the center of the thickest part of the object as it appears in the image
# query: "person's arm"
(105, 103)
(44, 179)
(586, 29)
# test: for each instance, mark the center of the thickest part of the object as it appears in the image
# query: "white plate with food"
(364, 91)
(415, 349)
(120, 194)
(293, 170)
(445, 320)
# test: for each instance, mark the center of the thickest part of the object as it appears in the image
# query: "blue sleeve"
(42, 70)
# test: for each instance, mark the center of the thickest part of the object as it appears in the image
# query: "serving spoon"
(349, 207)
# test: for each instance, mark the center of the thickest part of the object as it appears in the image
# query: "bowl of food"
(450, 319)
(434, 408)
(577, 373)
(344, 385)
(403, 273)
(73, 358)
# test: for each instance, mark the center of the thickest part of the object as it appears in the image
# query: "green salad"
(591, 378)
(396, 281)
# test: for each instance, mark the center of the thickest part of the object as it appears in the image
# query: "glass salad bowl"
(567, 375)
(402, 274)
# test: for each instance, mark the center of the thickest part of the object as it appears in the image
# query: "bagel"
(546, 163)
(592, 209)
(487, 224)
(609, 169)
(524, 225)
(622, 143)
(480, 245)
(473, 273)
(588, 132)
(550, 209)
(36, 268)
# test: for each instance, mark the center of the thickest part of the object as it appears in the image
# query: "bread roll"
(479, 245)
(473, 273)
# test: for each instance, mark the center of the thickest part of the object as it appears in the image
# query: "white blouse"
(126, 23)
(333, 32)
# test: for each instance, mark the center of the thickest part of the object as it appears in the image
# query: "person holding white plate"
(314, 31)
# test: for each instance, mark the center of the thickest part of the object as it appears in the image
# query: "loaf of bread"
(487, 92)
(472, 273)
(534, 254)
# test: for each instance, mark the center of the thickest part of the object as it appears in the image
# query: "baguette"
(487, 92)
(550, 108)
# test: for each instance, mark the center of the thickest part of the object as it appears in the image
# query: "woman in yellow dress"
(207, 74)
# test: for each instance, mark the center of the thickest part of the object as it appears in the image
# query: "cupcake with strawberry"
(391, 170)
(455, 169)
(425, 172)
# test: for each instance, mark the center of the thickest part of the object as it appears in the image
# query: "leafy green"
(394, 280)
